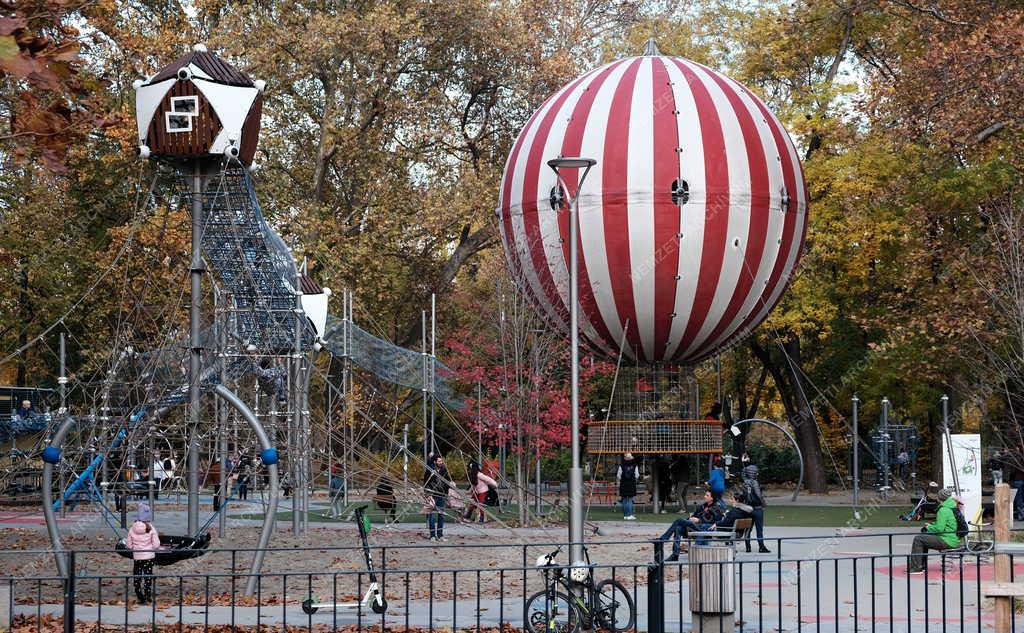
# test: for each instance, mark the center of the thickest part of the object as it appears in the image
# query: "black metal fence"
(805, 592)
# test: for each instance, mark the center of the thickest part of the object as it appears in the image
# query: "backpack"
(750, 497)
(962, 529)
(492, 497)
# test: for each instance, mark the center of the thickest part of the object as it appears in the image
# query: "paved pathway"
(808, 589)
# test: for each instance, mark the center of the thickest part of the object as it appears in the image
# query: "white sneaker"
(630, 518)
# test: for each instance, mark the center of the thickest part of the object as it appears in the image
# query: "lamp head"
(571, 162)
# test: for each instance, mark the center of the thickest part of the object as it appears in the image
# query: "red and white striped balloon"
(690, 225)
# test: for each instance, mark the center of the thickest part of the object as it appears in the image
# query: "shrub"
(776, 464)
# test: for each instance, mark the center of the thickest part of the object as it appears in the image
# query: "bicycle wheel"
(551, 613)
(615, 611)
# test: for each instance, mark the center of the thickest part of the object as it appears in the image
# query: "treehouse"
(199, 107)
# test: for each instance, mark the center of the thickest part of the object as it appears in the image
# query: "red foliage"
(530, 393)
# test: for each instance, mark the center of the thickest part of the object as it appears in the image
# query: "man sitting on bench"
(939, 535)
(709, 513)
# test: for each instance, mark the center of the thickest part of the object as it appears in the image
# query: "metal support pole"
(575, 472)
(222, 431)
(195, 348)
(656, 590)
(62, 381)
(271, 510)
(295, 405)
(307, 460)
(538, 509)
(349, 430)
(479, 426)
(405, 454)
(501, 450)
(431, 365)
(423, 352)
(346, 326)
(856, 459)
(949, 442)
(885, 448)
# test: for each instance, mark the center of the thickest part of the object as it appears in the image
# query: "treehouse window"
(183, 110)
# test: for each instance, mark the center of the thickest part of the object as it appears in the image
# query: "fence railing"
(807, 593)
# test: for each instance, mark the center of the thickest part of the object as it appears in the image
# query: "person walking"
(213, 475)
(143, 541)
(479, 485)
(716, 480)
(436, 483)
(385, 499)
(627, 476)
(938, 535)
(337, 490)
(158, 474)
(752, 495)
(703, 519)
(243, 483)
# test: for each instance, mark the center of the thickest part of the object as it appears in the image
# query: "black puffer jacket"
(436, 481)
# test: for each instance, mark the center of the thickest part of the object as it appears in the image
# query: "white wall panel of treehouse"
(147, 100)
(232, 105)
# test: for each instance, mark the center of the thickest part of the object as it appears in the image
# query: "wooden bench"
(742, 529)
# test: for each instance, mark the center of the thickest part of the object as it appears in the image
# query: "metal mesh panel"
(654, 392)
(388, 361)
(251, 261)
(655, 436)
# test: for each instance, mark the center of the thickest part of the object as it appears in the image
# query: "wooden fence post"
(1003, 522)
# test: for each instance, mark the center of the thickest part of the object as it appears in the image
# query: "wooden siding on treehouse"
(205, 126)
(251, 131)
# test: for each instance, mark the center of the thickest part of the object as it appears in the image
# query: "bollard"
(712, 583)
(69, 595)
(656, 590)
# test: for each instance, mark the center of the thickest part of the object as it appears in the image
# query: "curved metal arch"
(232, 400)
(799, 453)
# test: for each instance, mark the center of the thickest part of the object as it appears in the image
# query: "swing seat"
(179, 548)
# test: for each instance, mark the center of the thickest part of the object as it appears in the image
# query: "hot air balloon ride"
(690, 227)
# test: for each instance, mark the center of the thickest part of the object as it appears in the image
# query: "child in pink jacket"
(143, 540)
(479, 484)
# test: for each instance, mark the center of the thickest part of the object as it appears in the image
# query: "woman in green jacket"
(938, 535)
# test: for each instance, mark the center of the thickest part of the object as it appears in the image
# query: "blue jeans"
(1018, 499)
(627, 506)
(679, 528)
(435, 520)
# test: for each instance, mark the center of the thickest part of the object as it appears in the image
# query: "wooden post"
(1003, 522)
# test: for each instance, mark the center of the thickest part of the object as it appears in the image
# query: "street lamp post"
(575, 473)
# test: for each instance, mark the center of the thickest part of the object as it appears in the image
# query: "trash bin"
(712, 572)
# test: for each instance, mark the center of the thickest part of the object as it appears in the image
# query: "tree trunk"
(792, 390)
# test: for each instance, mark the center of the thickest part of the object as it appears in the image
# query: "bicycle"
(605, 605)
